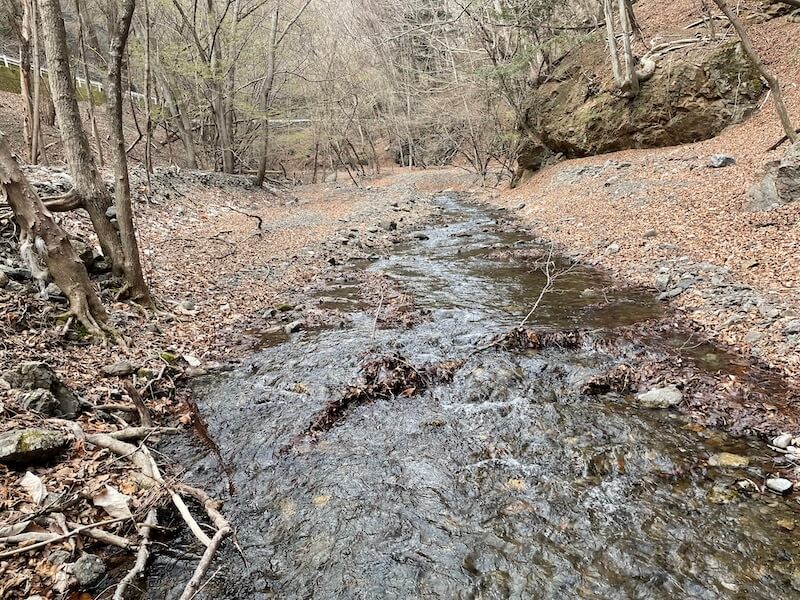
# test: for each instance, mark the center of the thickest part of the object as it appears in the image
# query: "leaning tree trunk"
(44, 239)
(132, 265)
(772, 80)
(89, 188)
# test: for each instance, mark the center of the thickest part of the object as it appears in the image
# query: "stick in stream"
(142, 555)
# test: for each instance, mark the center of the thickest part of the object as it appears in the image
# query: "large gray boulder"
(694, 93)
(24, 446)
(30, 376)
(779, 185)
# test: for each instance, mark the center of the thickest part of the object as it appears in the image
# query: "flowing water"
(504, 483)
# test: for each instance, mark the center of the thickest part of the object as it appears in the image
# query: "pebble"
(294, 326)
(718, 161)
(666, 397)
(779, 485)
(782, 441)
(786, 524)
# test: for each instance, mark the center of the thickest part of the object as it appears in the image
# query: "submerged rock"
(666, 397)
(24, 446)
(728, 459)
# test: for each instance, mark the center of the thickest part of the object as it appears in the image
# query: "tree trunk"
(82, 46)
(88, 184)
(45, 239)
(132, 266)
(772, 81)
(611, 37)
(36, 122)
(630, 86)
(269, 80)
(24, 34)
(182, 123)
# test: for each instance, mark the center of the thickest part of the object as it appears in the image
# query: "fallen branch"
(224, 529)
(145, 420)
(58, 538)
(142, 555)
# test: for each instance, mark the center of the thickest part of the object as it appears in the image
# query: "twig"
(223, 530)
(141, 556)
(145, 420)
(58, 538)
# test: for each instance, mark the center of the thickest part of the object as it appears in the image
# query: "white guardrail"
(10, 61)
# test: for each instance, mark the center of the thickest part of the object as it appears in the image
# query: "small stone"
(41, 401)
(718, 161)
(421, 236)
(389, 225)
(111, 212)
(650, 233)
(520, 206)
(779, 485)
(753, 336)
(3, 280)
(662, 281)
(294, 326)
(123, 368)
(88, 569)
(168, 357)
(283, 307)
(786, 524)
(188, 305)
(792, 327)
(666, 397)
(612, 248)
(30, 445)
(728, 459)
(782, 441)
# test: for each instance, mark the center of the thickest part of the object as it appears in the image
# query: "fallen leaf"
(14, 529)
(113, 502)
(34, 486)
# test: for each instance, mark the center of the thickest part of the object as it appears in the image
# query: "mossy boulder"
(693, 95)
(25, 446)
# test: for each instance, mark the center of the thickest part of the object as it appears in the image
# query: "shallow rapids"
(505, 483)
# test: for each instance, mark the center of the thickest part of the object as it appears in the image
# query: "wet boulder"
(30, 376)
(25, 446)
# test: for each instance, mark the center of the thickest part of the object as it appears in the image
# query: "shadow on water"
(504, 483)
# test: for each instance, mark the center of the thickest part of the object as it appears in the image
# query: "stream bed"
(506, 482)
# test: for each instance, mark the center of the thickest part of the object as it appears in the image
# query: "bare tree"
(119, 26)
(89, 190)
(772, 80)
(42, 239)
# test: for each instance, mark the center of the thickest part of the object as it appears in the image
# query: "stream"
(506, 482)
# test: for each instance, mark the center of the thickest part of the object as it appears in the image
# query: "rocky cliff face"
(693, 95)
